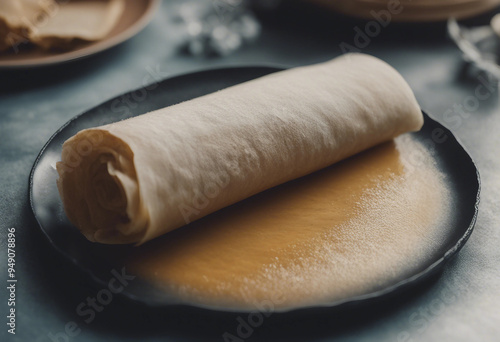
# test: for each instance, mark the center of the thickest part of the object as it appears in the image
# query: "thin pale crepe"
(89, 20)
(53, 25)
(18, 18)
(134, 180)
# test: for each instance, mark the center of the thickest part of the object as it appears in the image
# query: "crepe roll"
(134, 180)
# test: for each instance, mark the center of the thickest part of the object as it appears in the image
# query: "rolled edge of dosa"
(99, 188)
(132, 181)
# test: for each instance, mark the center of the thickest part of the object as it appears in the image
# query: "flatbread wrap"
(134, 180)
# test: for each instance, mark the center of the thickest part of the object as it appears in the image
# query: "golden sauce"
(295, 244)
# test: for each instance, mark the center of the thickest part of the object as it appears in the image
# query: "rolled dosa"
(134, 180)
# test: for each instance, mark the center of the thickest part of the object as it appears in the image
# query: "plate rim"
(406, 19)
(100, 46)
(341, 303)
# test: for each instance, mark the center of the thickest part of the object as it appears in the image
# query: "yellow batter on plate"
(347, 230)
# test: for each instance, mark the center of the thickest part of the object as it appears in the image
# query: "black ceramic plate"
(98, 260)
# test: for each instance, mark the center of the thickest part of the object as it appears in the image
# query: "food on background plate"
(134, 180)
(13, 17)
(57, 25)
(79, 20)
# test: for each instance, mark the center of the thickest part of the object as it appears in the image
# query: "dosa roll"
(134, 180)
